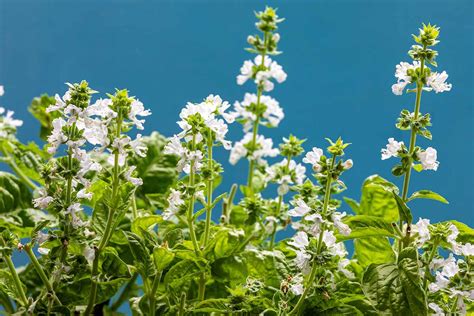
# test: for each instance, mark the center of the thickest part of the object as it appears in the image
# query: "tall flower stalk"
(315, 243)
(255, 110)
(419, 74)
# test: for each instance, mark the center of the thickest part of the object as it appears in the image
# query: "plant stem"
(154, 288)
(314, 268)
(427, 267)
(209, 192)
(6, 303)
(134, 207)
(182, 303)
(278, 210)
(406, 180)
(41, 273)
(227, 206)
(125, 293)
(190, 215)
(110, 218)
(22, 176)
(202, 287)
(16, 279)
(257, 121)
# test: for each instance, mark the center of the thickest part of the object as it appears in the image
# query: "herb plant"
(108, 217)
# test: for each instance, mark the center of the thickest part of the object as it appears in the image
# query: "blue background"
(340, 57)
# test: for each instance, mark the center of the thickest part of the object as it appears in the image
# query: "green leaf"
(353, 204)
(212, 305)
(14, 194)
(466, 233)
(112, 268)
(22, 222)
(142, 257)
(157, 170)
(377, 201)
(404, 211)
(162, 257)
(180, 276)
(145, 222)
(365, 226)
(38, 108)
(395, 288)
(418, 168)
(427, 194)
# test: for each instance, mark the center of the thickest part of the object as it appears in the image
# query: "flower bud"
(276, 37)
(251, 39)
(348, 164)
(20, 246)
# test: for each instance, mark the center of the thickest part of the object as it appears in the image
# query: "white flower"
(285, 173)
(393, 147)
(453, 235)
(43, 251)
(428, 159)
(8, 124)
(128, 176)
(341, 266)
(120, 144)
(467, 249)
(57, 136)
(441, 283)
(341, 227)
(299, 240)
(272, 70)
(264, 149)
(174, 204)
(297, 289)
(329, 239)
(102, 109)
(41, 237)
(300, 208)
(403, 79)
(2, 90)
(302, 261)
(83, 194)
(437, 81)
(138, 147)
(73, 210)
(89, 254)
(438, 311)
(95, 132)
(137, 109)
(271, 117)
(313, 158)
(43, 200)
(348, 164)
(422, 227)
(59, 105)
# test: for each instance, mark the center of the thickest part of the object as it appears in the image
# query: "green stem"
(209, 191)
(154, 288)
(257, 121)
(202, 287)
(125, 293)
(190, 215)
(278, 210)
(314, 268)
(227, 206)
(109, 225)
(6, 303)
(16, 279)
(427, 267)
(41, 273)
(413, 133)
(182, 304)
(134, 207)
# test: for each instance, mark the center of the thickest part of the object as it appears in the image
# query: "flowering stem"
(278, 210)
(108, 227)
(257, 121)
(154, 288)
(182, 303)
(433, 252)
(16, 279)
(209, 191)
(190, 216)
(41, 273)
(314, 268)
(406, 180)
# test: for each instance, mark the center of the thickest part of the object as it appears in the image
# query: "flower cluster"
(315, 241)
(418, 72)
(8, 124)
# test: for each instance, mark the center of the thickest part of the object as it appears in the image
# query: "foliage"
(107, 216)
